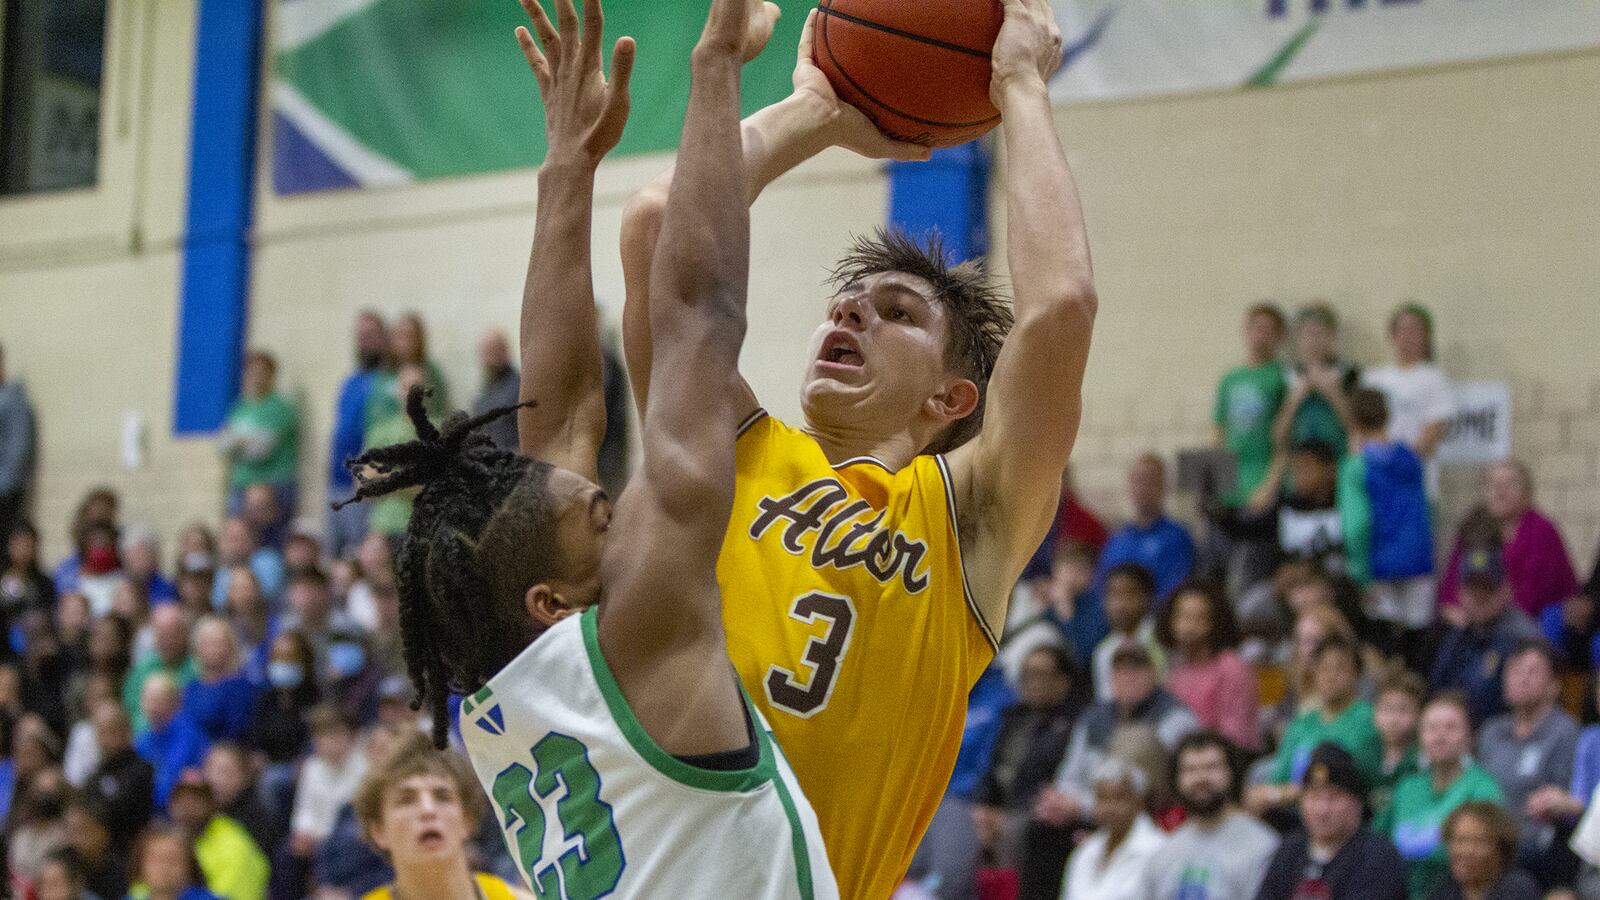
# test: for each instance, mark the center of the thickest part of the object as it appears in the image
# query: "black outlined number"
(823, 656)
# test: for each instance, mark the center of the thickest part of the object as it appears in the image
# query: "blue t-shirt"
(1164, 548)
(988, 698)
(349, 429)
(177, 747)
(221, 710)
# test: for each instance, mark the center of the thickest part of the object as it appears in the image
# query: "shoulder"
(1496, 728)
(1516, 885)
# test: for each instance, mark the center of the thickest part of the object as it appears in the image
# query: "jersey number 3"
(586, 870)
(823, 656)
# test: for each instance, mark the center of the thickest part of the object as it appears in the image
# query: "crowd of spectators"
(1291, 698)
(1287, 699)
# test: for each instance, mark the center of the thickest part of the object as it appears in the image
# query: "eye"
(899, 314)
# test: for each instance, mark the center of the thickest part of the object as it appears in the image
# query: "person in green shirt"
(261, 438)
(233, 866)
(1337, 716)
(171, 656)
(1318, 407)
(1449, 778)
(1396, 709)
(391, 513)
(1248, 400)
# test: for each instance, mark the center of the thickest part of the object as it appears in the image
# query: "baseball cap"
(1332, 766)
(1483, 566)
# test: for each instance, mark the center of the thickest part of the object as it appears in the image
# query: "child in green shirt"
(1399, 704)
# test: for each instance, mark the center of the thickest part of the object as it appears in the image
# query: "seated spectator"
(241, 546)
(169, 657)
(279, 731)
(1530, 749)
(1198, 628)
(1073, 522)
(312, 613)
(194, 592)
(34, 753)
(197, 549)
(1334, 856)
(61, 877)
(98, 507)
(165, 867)
(220, 698)
(1535, 556)
(261, 510)
(72, 621)
(110, 649)
(1483, 854)
(141, 564)
(82, 754)
(261, 438)
(1311, 627)
(1573, 628)
(347, 862)
(1220, 851)
(171, 743)
(252, 623)
(1110, 863)
(1136, 697)
(352, 678)
(1150, 539)
(123, 784)
(1130, 593)
(1248, 399)
(302, 550)
(1044, 612)
(230, 773)
(1033, 738)
(1388, 526)
(233, 866)
(376, 559)
(328, 780)
(101, 571)
(1398, 707)
(1449, 778)
(44, 669)
(501, 387)
(422, 790)
(1320, 383)
(89, 839)
(1472, 655)
(1338, 717)
(36, 828)
(23, 585)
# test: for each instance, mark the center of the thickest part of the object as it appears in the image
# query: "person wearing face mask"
(97, 508)
(278, 722)
(351, 678)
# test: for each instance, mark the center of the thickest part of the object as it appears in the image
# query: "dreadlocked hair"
(979, 314)
(481, 533)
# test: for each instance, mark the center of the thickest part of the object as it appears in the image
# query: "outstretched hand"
(848, 127)
(584, 113)
(1028, 48)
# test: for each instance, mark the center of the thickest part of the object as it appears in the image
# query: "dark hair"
(1138, 574)
(1271, 311)
(1060, 658)
(1337, 643)
(1369, 408)
(481, 534)
(1224, 625)
(1207, 739)
(1404, 681)
(1317, 448)
(23, 526)
(312, 576)
(307, 690)
(161, 830)
(979, 315)
(1541, 647)
(263, 357)
(69, 862)
(1495, 818)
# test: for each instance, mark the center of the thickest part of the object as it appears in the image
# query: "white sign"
(1480, 431)
(1121, 48)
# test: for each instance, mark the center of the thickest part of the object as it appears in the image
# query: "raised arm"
(584, 118)
(661, 619)
(1007, 479)
(775, 140)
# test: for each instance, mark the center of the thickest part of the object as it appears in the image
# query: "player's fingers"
(536, 60)
(807, 36)
(622, 57)
(902, 152)
(594, 25)
(548, 38)
(567, 20)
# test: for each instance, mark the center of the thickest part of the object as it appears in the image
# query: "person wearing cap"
(420, 808)
(1534, 553)
(233, 866)
(1473, 653)
(1334, 855)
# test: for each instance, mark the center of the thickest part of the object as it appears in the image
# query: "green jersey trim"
(797, 832)
(736, 781)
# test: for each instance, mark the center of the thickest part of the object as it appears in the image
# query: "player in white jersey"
(603, 715)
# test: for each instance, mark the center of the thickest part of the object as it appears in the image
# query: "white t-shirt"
(1092, 875)
(1418, 396)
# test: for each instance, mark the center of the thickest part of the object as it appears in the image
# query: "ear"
(955, 402)
(375, 838)
(545, 606)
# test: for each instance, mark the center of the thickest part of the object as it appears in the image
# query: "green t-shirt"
(1316, 417)
(382, 402)
(1355, 518)
(1352, 729)
(1248, 399)
(1415, 821)
(133, 685)
(272, 438)
(1383, 788)
(391, 514)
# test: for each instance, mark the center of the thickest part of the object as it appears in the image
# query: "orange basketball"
(919, 69)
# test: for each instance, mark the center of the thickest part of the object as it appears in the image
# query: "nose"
(850, 312)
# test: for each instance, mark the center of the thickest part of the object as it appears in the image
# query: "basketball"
(920, 71)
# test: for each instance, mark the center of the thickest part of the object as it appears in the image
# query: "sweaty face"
(582, 516)
(422, 820)
(880, 355)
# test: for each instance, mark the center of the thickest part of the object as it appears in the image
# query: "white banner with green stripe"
(1123, 48)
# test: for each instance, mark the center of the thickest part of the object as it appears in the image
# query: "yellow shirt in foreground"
(492, 888)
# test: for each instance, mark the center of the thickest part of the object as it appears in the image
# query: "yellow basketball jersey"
(491, 887)
(850, 621)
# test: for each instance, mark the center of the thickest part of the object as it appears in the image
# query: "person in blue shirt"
(141, 563)
(347, 526)
(220, 699)
(241, 546)
(1473, 654)
(172, 743)
(1150, 539)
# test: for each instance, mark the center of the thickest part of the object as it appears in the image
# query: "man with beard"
(1220, 853)
(1334, 856)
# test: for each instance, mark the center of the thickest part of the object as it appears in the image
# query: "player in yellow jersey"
(419, 809)
(873, 548)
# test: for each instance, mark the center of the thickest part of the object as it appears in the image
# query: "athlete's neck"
(435, 881)
(839, 445)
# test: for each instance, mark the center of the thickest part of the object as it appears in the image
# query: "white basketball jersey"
(590, 807)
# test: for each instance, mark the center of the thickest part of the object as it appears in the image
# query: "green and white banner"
(367, 93)
(1124, 48)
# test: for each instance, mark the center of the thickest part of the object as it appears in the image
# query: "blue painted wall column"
(950, 192)
(214, 293)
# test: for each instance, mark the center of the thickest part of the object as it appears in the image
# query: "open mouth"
(432, 839)
(839, 348)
